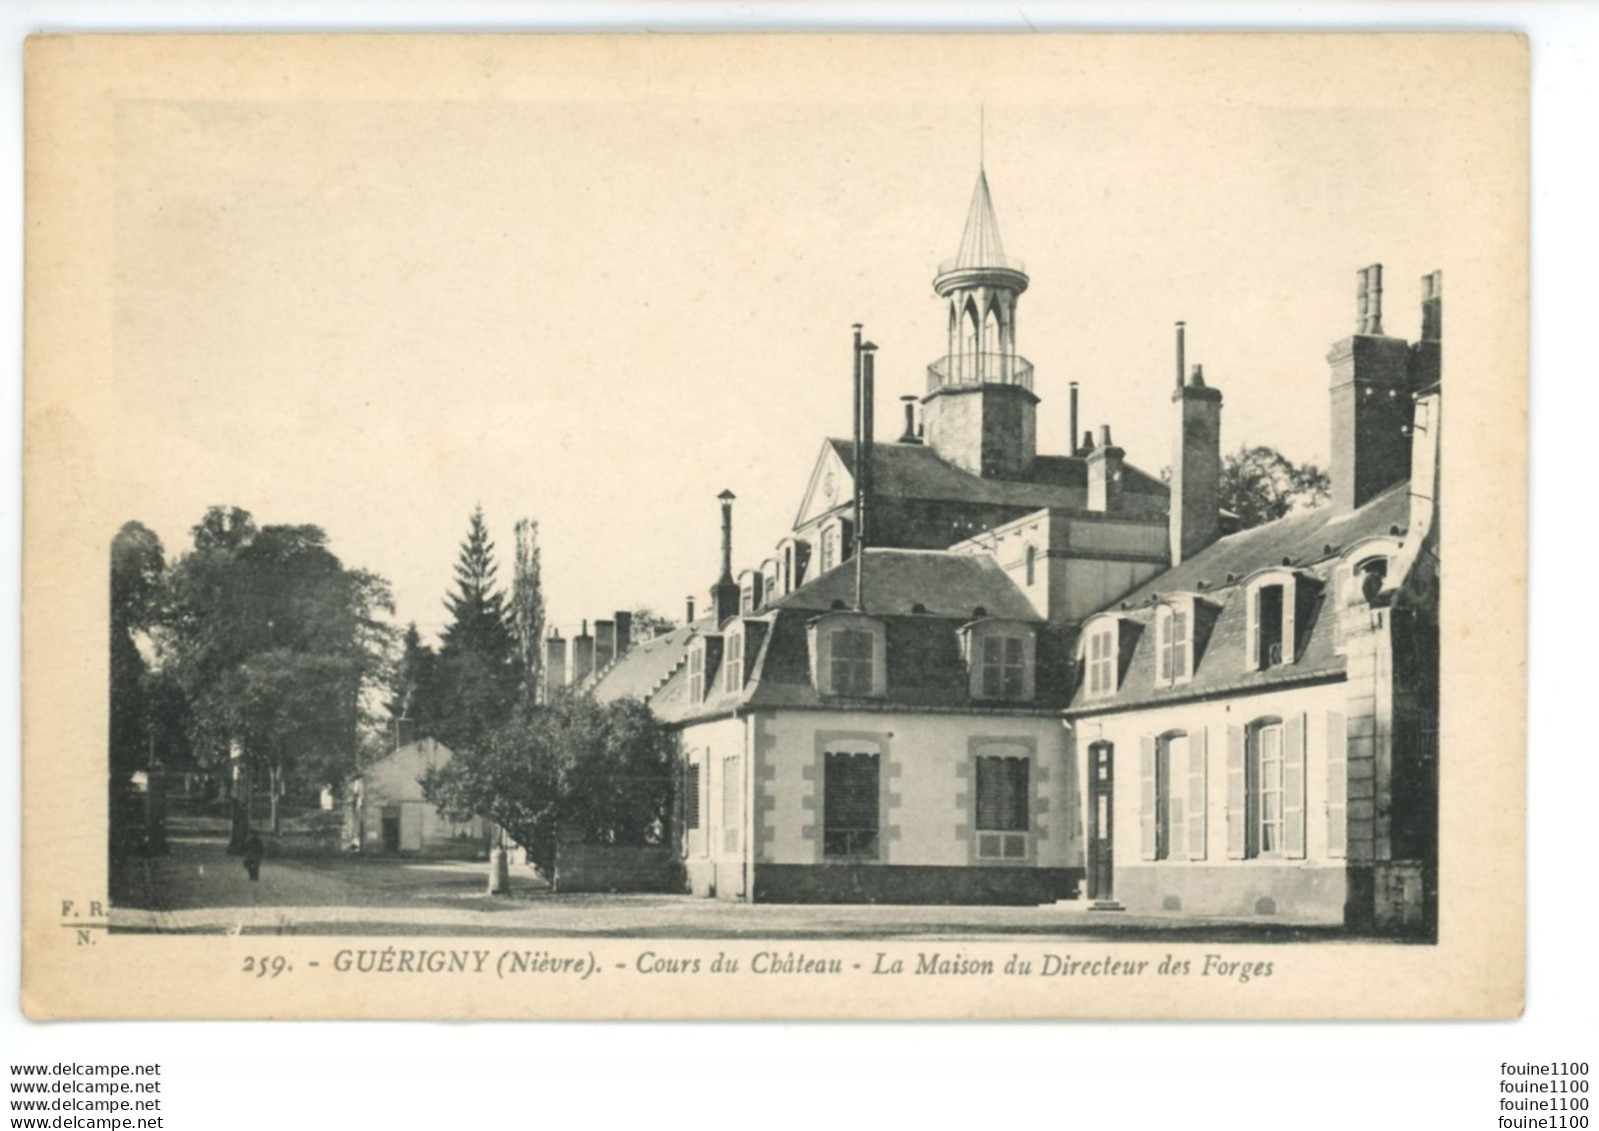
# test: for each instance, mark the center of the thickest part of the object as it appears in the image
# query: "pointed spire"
(980, 242)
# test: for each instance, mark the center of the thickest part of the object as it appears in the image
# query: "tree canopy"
(600, 772)
(274, 644)
(1259, 484)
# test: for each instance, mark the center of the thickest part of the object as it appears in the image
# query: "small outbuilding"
(385, 811)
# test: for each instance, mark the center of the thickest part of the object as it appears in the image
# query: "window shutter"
(1252, 628)
(1163, 621)
(1197, 756)
(1294, 788)
(1146, 797)
(1179, 645)
(1237, 796)
(1290, 634)
(1337, 786)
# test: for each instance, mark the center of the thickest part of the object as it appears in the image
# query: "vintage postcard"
(766, 527)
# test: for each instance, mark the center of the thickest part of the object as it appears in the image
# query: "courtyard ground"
(197, 888)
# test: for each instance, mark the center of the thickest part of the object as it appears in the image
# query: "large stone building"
(938, 709)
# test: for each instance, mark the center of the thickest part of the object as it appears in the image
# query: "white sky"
(369, 316)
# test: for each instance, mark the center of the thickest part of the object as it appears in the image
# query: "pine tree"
(527, 606)
(478, 657)
(414, 693)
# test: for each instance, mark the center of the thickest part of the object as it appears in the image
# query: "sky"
(372, 316)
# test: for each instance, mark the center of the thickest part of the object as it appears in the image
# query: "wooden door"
(1101, 821)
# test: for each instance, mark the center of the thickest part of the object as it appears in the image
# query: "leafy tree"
(647, 623)
(275, 645)
(416, 693)
(478, 657)
(527, 606)
(138, 568)
(573, 767)
(1260, 484)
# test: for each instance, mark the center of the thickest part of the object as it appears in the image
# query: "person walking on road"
(252, 856)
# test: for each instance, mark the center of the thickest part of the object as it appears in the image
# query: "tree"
(275, 645)
(416, 693)
(527, 606)
(572, 767)
(478, 657)
(1260, 485)
(138, 569)
(647, 624)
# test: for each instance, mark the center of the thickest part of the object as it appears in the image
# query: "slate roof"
(925, 667)
(980, 242)
(945, 584)
(915, 471)
(1311, 541)
(640, 671)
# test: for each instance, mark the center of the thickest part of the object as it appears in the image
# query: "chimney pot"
(909, 436)
(688, 609)
(1104, 435)
(1071, 433)
(1181, 327)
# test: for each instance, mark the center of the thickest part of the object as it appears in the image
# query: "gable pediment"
(831, 485)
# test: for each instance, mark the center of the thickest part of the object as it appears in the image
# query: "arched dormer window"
(1000, 658)
(1363, 570)
(1106, 639)
(1182, 629)
(1280, 603)
(848, 655)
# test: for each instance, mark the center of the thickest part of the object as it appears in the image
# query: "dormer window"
(999, 655)
(696, 671)
(733, 663)
(1267, 636)
(1102, 658)
(1174, 640)
(1280, 607)
(847, 654)
(852, 661)
(829, 548)
(1003, 665)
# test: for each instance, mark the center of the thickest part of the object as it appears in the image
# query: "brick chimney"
(554, 664)
(582, 655)
(725, 594)
(604, 644)
(1196, 464)
(1105, 474)
(624, 632)
(1371, 403)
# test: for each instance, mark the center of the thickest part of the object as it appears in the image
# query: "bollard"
(499, 873)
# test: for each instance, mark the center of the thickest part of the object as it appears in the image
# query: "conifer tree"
(478, 657)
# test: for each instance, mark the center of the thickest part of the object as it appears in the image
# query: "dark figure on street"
(252, 856)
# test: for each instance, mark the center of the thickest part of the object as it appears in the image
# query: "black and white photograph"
(610, 508)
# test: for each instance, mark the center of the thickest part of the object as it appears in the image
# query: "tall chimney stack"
(688, 609)
(909, 436)
(1105, 474)
(1071, 434)
(554, 664)
(582, 656)
(624, 632)
(1181, 330)
(604, 644)
(724, 595)
(1372, 382)
(1195, 509)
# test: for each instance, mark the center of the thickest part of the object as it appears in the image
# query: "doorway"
(391, 828)
(1101, 821)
